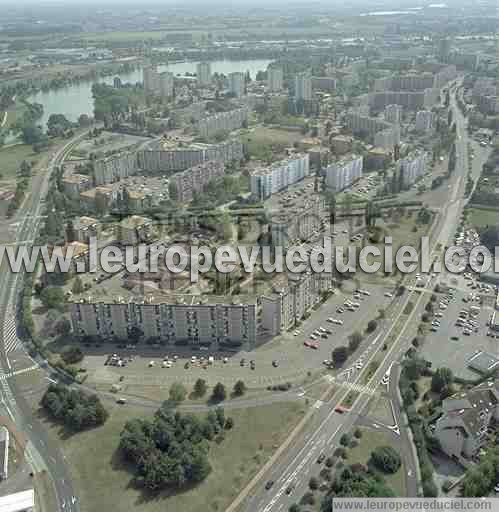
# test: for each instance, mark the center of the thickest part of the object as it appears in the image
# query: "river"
(77, 99)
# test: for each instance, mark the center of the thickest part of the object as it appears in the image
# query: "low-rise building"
(134, 229)
(75, 184)
(387, 139)
(462, 428)
(341, 144)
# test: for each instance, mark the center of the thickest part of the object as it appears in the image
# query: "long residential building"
(192, 323)
(270, 180)
(222, 121)
(340, 175)
(360, 123)
(159, 158)
(195, 178)
(115, 167)
(412, 100)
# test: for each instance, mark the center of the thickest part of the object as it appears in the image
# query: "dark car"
(275, 364)
(269, 484)
(289, 489)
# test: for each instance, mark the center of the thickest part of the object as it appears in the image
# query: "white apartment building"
(292, 300)
(236, 84)
(204, 74)
(358, 122)
(166, 84)
(424, 121)
(340, 175)
(198, 323)
(85, 228)
(274, 79)
(393, 113)
(462, 428)
(115, 167)
(270, 180)
(303, 87)
(412, 167)
(223, 121)
(388, 138)
(151, 79)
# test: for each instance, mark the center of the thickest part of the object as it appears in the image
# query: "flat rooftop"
(18, 502)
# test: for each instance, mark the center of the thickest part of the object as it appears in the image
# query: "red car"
(311, 344)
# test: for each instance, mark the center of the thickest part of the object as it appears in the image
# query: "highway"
(42, 453)
(297, 463)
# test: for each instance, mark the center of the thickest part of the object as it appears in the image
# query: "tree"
(200, 388)
(219, 393)
(372, 326)
(63, 327)
(345, 440)
(52, 297)
(77, 287)
(229, 423)
(441, 380)
(239, 388)
(72, 355)
(313, 483)
(294, 508)
(339, 355)
(354, 340)
(177, 392)
(386, 459)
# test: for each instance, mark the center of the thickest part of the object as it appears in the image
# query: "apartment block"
(151, 79)
(412, 167)
(360, 123)
(324, 83)
(393, 113)
(134, 230)
(193, 323)
(164, 158)
(166, 84)
(75, 184)
(270, 180)
(462, 428)
(291, 300)
(412, 100)
(274, 79)
(114, 168)
(204, 74)
(424, 120)
(341, 174)
(303, 87)
(237, 84)
(194, 179)
(387, 138)
(223, 121)
(84, 228)
(296, 221)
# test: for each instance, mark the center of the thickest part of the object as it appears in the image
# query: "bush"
(358, 433)
(386, 459)
(177, 392)
(313, 483)
(219, 393)
(239, 388)
(345, 440)
(72, 355)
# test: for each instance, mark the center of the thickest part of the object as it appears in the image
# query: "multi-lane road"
(42, 452)
(297, 463)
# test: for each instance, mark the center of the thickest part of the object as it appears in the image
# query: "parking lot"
(459, 329)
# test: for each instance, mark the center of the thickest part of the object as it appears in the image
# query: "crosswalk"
(359, 388)
(7, 375)
(9, 333)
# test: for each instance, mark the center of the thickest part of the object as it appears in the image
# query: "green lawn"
(262, 139)
(360, 454)
(104, 483)
(11, 158)
(480, 218)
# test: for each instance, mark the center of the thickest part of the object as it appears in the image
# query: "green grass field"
(11, 158)
(360, 454)
(262, 139)
(481, 218)
(104, 482)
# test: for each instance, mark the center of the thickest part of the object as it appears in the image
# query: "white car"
(337, 321)
(389, 295)
(359, 365)
(151, 364)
